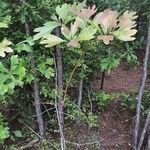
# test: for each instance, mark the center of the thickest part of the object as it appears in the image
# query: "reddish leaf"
(126, 20)
(73, 43)
(106, 38)
(86, 13)
(107, 20)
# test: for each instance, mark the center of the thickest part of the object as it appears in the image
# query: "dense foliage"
(93, 37)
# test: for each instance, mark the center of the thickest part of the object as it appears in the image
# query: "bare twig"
(71, 75)
(39, 135)
(43, 112)
(144, 132)
(141, 90)
(80, 93)
(37, 99)
(28, 145)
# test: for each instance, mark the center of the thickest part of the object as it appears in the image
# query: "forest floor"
(115, 124)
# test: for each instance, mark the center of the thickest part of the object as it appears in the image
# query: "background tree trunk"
(36, 92)
(141, 90)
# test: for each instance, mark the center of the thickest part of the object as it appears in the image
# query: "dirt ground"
(114, 131)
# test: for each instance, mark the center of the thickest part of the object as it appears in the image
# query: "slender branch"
(141, 90)
(144, 131)
(39, 135)
(80, 93)
(43, 112)
(70, 78)
(29, 145)
(37, 99)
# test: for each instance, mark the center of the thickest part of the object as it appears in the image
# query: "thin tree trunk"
(144, 131)
(59, 82)
(80, 93)
(35, 85)
(141, 90)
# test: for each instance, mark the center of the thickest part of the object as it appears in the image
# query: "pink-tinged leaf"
(86, 13)
(105, 38)
(65, 31)
(126, 20)
(77, 7)
(70, 33)
(73, 43)
(107, 19)
(125, 34)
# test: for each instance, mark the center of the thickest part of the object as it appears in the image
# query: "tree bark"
(59, 104)
(36, 92)
(144, 132)
(59, 64)
(141, 90)
(80, 93)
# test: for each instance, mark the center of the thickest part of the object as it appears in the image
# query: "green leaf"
(14, 61)
(62, 11)
(2, 68)
(18, 133)
(3, 25)
(49, 73)
(86, 34)
(46, 29)
(42, 67)
(29, 78)
(50, 61)
(3, 89)
(23, 47)
(51, 40)
(4, 133)
(125, 34)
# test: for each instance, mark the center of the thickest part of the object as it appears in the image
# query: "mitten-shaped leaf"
(87, 34)
(5, 47)
(86, 13)
(46, 29)
(125, 34)
(126, 20)
(51, 40)
(107, 20)
(69, 34)
(62, 11)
